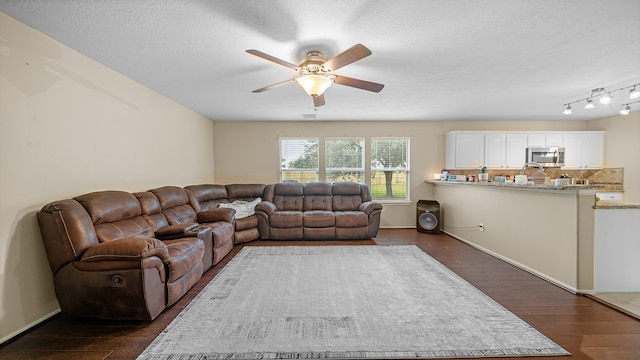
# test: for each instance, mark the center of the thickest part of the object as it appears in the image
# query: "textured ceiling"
(438, 59)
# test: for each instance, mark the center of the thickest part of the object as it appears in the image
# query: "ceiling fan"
(315, 73)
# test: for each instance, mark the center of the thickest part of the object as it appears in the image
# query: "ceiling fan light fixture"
(314, 84)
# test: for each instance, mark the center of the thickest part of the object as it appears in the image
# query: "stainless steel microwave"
(546, 156)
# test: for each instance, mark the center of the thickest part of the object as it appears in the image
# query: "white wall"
(622, 146)
(534, 229)
(69, 125)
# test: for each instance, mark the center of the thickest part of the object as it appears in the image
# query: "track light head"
(606, 98)
(626, 110)
(568, 110)
(589, 105)
(634, 93)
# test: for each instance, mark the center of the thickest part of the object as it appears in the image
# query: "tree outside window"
(390, 169)
(299, 160)
(344, 159)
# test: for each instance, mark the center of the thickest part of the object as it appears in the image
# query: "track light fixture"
(627, 108)
(605, 97)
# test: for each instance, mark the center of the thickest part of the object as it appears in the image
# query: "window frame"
(406, 169)
(362, 170)
(283, 163)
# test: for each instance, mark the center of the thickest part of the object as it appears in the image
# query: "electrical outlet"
(481, 226)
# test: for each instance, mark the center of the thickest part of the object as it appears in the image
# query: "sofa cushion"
(317, 196)
(288, 196)
(246, 192)
(286, 219)
(109, 206)
(347, 196)
(318, 219)
(134, 227)
(351, 219)
(175, 204)
(205, 197)
(247, 223)
(184, 255)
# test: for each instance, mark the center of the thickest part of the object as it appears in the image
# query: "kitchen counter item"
(538, 177)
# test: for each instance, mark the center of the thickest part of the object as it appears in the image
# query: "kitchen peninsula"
(544, 229)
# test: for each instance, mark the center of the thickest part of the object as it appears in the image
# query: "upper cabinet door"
(593, 146)
(494, 151)
(465, 151)
(584, 150)
(516, 151)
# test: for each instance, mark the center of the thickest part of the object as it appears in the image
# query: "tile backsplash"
(611, 178)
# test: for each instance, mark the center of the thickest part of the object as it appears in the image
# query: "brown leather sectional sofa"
(120, 255)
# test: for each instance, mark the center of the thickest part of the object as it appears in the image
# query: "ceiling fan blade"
(273, 86)
(318, 100)
(356, 83)
(260, 54)
(354, 53)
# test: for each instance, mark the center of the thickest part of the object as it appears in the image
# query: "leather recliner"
(179, 211)
(106, 261)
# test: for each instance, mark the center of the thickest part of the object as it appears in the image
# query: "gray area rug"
(343, 302)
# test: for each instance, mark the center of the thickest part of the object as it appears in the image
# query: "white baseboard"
(547, 278)
(28, 327)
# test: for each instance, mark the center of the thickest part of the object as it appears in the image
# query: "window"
(344, 159)
(299, 160)
(390, 169)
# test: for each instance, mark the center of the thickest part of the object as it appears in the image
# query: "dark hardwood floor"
(584, 327)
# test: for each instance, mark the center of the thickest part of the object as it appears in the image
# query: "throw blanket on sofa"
(243, 208)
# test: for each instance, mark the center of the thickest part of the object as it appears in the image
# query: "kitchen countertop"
(602, 204)
(512, 185)
(606, 205)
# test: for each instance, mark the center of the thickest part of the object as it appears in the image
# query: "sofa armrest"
(370, 206)
(175, 231)
(132, 249)
(217, 214)
(266, 207)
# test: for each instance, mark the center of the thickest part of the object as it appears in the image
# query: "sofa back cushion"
(115, 215)
(287, 196)
(317, 196)
(245, 192)
(175, 205)
(347, 196)
(206, 197)
(151, 210)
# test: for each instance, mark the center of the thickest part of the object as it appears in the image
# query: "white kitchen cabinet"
(505, 151)
(554, 140)
(543, 140)
(584, 150)
(465, 150)
(516, 151)
(494, 151)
